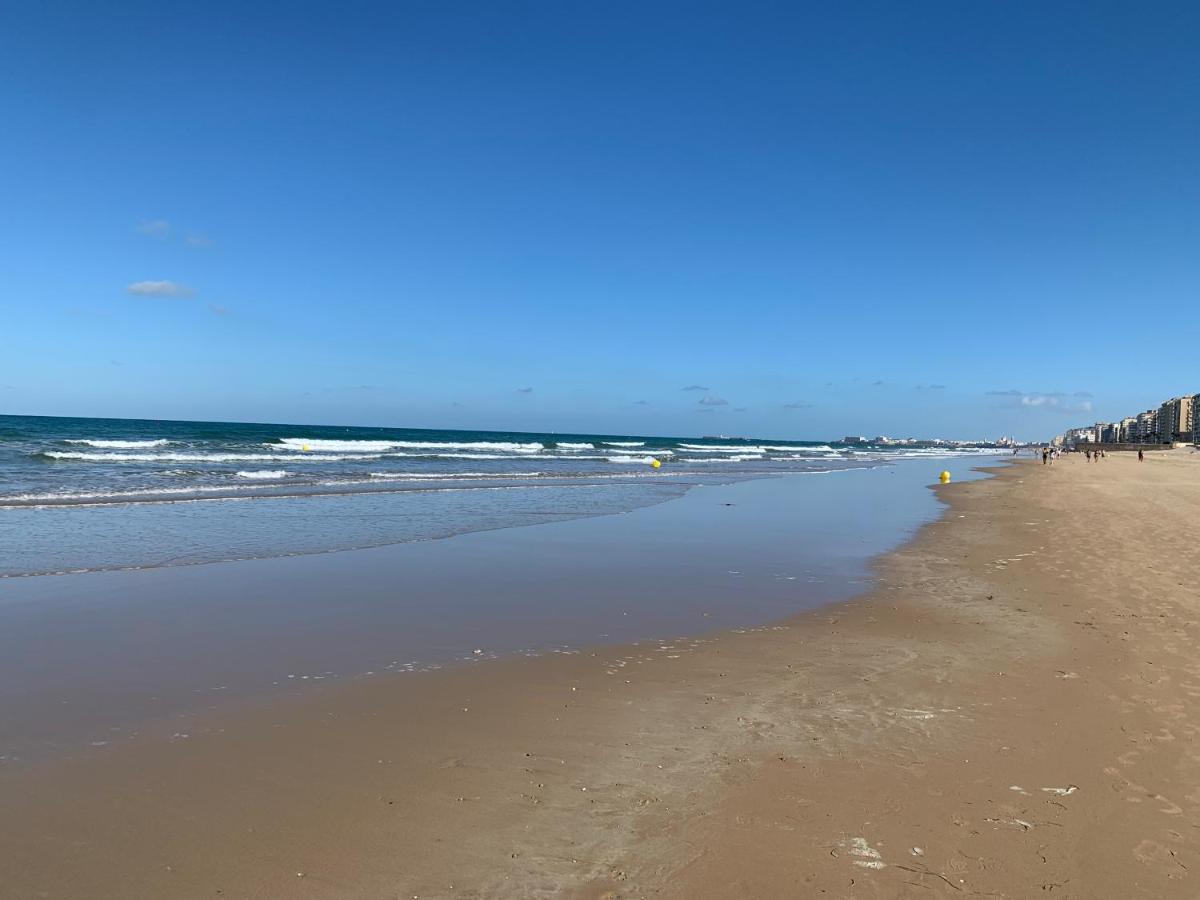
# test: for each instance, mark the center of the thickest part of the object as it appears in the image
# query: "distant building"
(1147, 427)
(1075, 436)
(1175, 420)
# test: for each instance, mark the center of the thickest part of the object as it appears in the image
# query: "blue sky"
(956, 219)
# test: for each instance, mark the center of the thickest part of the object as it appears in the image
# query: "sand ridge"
(1011, 711)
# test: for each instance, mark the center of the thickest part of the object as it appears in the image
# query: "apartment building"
(1175, 420)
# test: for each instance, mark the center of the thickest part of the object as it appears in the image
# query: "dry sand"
(1013, 711)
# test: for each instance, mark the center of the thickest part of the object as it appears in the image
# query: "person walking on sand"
(1141, 455)
(1046, 455)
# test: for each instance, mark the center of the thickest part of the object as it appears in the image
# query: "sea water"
(94, 494)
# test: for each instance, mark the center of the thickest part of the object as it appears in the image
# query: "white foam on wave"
(450, 455)
(744, 457)
(116, 497)
(807, 459)
(661, 454)
(712, 448)
(563, 445)
(625, 443)
(642, 460)
(321, 445)
(118, 445)
(203, 457)
(265, 474)
(429, 476)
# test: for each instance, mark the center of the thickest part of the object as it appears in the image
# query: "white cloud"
(1050, 401)
(710, 400)
(799, 404)
(694, 387)
(218, 310)
(158, 228)
(525, 390)
(160, 289)
(198, 240)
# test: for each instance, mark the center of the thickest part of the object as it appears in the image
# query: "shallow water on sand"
(86, 660)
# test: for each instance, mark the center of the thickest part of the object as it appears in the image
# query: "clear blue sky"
(834, 218)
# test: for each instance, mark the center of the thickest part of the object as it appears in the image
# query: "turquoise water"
(86, 494)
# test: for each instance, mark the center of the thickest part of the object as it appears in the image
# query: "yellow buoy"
(305, 448)
(654, 464)
(945, 476)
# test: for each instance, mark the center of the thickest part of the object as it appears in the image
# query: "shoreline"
(90, 659)
(942, 712)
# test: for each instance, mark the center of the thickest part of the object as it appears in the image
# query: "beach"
(1006, 708)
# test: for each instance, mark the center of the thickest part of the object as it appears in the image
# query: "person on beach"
(1141, 455)
(1046, 455)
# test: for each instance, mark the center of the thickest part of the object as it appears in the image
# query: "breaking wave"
(320, 445)
(117, 445)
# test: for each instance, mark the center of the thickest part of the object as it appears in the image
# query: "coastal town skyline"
(1174, 421)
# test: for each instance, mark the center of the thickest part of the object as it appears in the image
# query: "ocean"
(80, 494)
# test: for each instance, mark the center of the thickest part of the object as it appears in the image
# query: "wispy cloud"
(799, 404)
(931, 387)
(710, 400)
(218, 310)
(525, 390)
(877, 383)
(195, 239)
(160, 289)
(158, 228)
(641, 402)
(739, 409)
(1049, 401)
(694, 387)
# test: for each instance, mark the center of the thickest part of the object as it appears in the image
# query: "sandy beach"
(1010, 711)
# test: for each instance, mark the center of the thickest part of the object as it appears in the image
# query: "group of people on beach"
(1050, 454)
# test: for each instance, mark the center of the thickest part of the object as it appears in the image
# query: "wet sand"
(86, 660)
(1011, 711)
